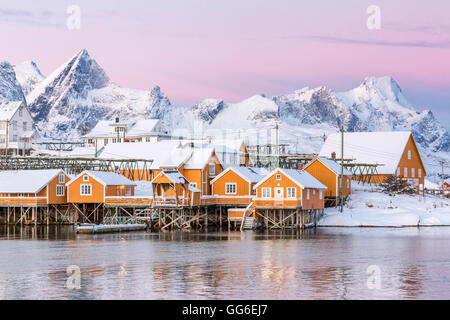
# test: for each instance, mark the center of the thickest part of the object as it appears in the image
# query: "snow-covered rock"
(28, 75)
(10, 89)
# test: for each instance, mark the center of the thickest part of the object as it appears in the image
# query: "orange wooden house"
(170, 187)
(98, 187)
(33, 188)
(395, 153)
(234, 185)
(328, 172)
(289, 189)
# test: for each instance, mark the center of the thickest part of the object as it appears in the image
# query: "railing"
(119, 220)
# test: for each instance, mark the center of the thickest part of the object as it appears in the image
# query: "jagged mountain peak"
(28, 75)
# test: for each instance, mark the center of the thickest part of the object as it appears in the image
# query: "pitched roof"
(250, 174)
(330, 164)
(8, 109)
(106, 178)
(26, 181)
(174, 176)
(144, 127)
(300, 177)
(199, 157)
(369, 147)
(161, 152)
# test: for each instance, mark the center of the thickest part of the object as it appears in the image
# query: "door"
(278, 194)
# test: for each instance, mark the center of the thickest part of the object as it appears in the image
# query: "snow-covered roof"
(8, 109)
(250, 174)
(300, 177)
(26, 181)
(106, 178)
(174, 176)
(199, 157)
(330, 164)
(135, 128)
(369, 147)
(143, 188)
(165, 152)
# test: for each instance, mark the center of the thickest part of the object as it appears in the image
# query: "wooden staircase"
(248, 221)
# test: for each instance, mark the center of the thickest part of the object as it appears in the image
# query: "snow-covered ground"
(368, 207)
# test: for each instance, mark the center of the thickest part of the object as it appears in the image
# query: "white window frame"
(291, 192)
(60, 187)
(89, 186)
(266, 192)
(212, 169)
(405, 171)
(85, 178)
(61, 178)
(348, 183)
(409, 154)
(420, 173)
(307, 194)
(320, 194)
(128, 191)
(398, 172)
(413, 172)
(230, 188)
(278, 176)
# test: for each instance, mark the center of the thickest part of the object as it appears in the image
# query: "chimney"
(117, 119)
(333, 155)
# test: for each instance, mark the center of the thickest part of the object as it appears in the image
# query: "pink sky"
(233, 49)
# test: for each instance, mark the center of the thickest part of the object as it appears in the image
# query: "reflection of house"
(396, 152)
(16, 128)
(328, 172)
(117, 131)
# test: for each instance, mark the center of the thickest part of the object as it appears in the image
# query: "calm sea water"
(325, 263)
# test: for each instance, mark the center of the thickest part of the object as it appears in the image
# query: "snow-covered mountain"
(10, 89)
(71, 100)
(28, 75)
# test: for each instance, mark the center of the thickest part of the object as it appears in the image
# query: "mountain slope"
(10, 89)
(28, 75)
(70, 101)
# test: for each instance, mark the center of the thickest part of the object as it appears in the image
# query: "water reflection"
(328, 263)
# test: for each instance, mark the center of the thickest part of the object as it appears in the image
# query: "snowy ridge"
(28, 75)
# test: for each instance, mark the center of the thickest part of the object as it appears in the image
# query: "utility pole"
(443, 177)
(342, 169)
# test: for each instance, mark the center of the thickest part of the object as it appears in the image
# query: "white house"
(16, 128)
(118, 131)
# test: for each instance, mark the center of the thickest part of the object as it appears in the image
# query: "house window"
(61, 178)
(398, 171)
(2, 139)
(128, 190)
(409, 154)
(14, 139)
(85, 189)
(278, 176)
(148, 139)
(90, 141)
(413, 172)
(405, 172)
(265, 192)
(105, 141)
(24, 126)
(230, 188)
(420, 173)
(348, 183)
(20, 112)
(59, 191)
(212, 169)
(20, 195)
(291, 192)
(320, 194)
(307, 194)
(193, 184)
(85, 178)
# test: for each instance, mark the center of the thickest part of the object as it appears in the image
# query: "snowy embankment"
(368, 207)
